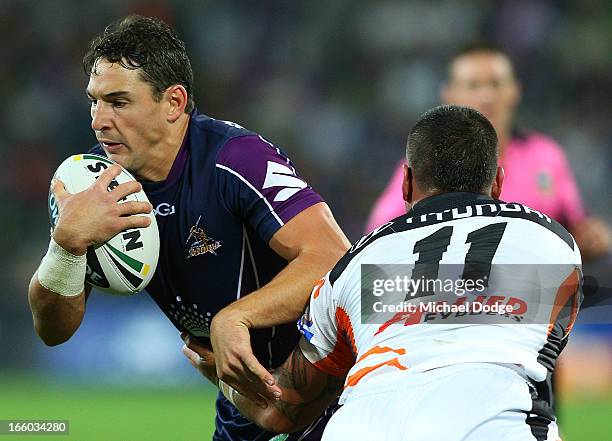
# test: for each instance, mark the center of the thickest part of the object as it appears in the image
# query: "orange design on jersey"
(410, 318)
(317, 288)
(340, 360)
(381, 350)
(354, 379)
(566, 293)
(346, 328)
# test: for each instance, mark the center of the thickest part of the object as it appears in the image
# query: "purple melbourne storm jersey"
(228, 192)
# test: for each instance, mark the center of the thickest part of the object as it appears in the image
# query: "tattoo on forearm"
(298, 376)
(295, 376)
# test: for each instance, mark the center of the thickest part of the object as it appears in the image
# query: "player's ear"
(407, 184)
(176, 97)
(498, 182)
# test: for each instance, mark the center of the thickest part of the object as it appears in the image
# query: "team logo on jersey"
(165, 209)
(304, 323)
(279, 175)
(199, 242)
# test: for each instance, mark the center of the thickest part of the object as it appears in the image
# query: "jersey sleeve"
(570, 200)
(390, 204)
(328, 342)
(258, 182)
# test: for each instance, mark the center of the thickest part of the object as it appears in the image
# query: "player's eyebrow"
(111, 95)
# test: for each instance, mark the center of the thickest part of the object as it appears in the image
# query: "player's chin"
(119, 155)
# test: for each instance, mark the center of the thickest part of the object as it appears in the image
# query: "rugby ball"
(125, 264)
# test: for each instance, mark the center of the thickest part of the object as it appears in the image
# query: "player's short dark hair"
(453, 148)
(478, 46)
(148, 44)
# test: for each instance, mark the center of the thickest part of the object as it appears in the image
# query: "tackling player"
(419, 376)
(482, 77)
(242, 236)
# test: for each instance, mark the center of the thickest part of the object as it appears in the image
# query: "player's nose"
(100, 118)
(487, 95)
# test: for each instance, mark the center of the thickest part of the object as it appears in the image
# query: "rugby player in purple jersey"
(243, 237)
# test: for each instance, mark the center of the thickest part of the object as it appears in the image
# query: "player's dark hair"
(453, 148)
(148, 44)
(475, 47)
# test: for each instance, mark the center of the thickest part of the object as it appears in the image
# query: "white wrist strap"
(62, 272)
(228, 391)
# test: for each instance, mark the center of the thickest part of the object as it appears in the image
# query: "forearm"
(284, 298)
(288, 414)
(269, 418)
(56, 318)
(312, 243)
(305, 393)
(57, 292)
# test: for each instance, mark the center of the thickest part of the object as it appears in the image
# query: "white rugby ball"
(125, 264)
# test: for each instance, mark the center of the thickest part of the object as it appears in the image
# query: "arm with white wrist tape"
(57, 291)
(57, 295)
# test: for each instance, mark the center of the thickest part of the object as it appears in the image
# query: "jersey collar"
(440, 202)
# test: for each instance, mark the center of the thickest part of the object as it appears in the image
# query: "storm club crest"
(198, 242)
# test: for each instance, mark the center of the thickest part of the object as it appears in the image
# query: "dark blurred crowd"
(336, 84)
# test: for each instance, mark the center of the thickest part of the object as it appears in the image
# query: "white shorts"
(467, 402)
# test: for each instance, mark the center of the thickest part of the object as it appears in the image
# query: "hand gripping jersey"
(530, 262)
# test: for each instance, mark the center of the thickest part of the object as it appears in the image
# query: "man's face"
(484, 81)
(126, 119)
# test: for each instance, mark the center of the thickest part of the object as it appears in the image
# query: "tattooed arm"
(305, 393)
(305, 390)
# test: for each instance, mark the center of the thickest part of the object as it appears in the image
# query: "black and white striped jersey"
(458, 259)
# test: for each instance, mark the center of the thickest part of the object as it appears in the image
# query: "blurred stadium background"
(337, 84)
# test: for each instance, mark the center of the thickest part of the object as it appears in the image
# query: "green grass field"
(113, 414)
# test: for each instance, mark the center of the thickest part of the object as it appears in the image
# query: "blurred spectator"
(537, 172)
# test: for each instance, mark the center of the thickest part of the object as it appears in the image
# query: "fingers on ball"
(126, 189)
(134, 207)
(108, 175)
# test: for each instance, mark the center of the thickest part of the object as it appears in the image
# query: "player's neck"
(163, 155)
(418, 196)
(421, 196)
